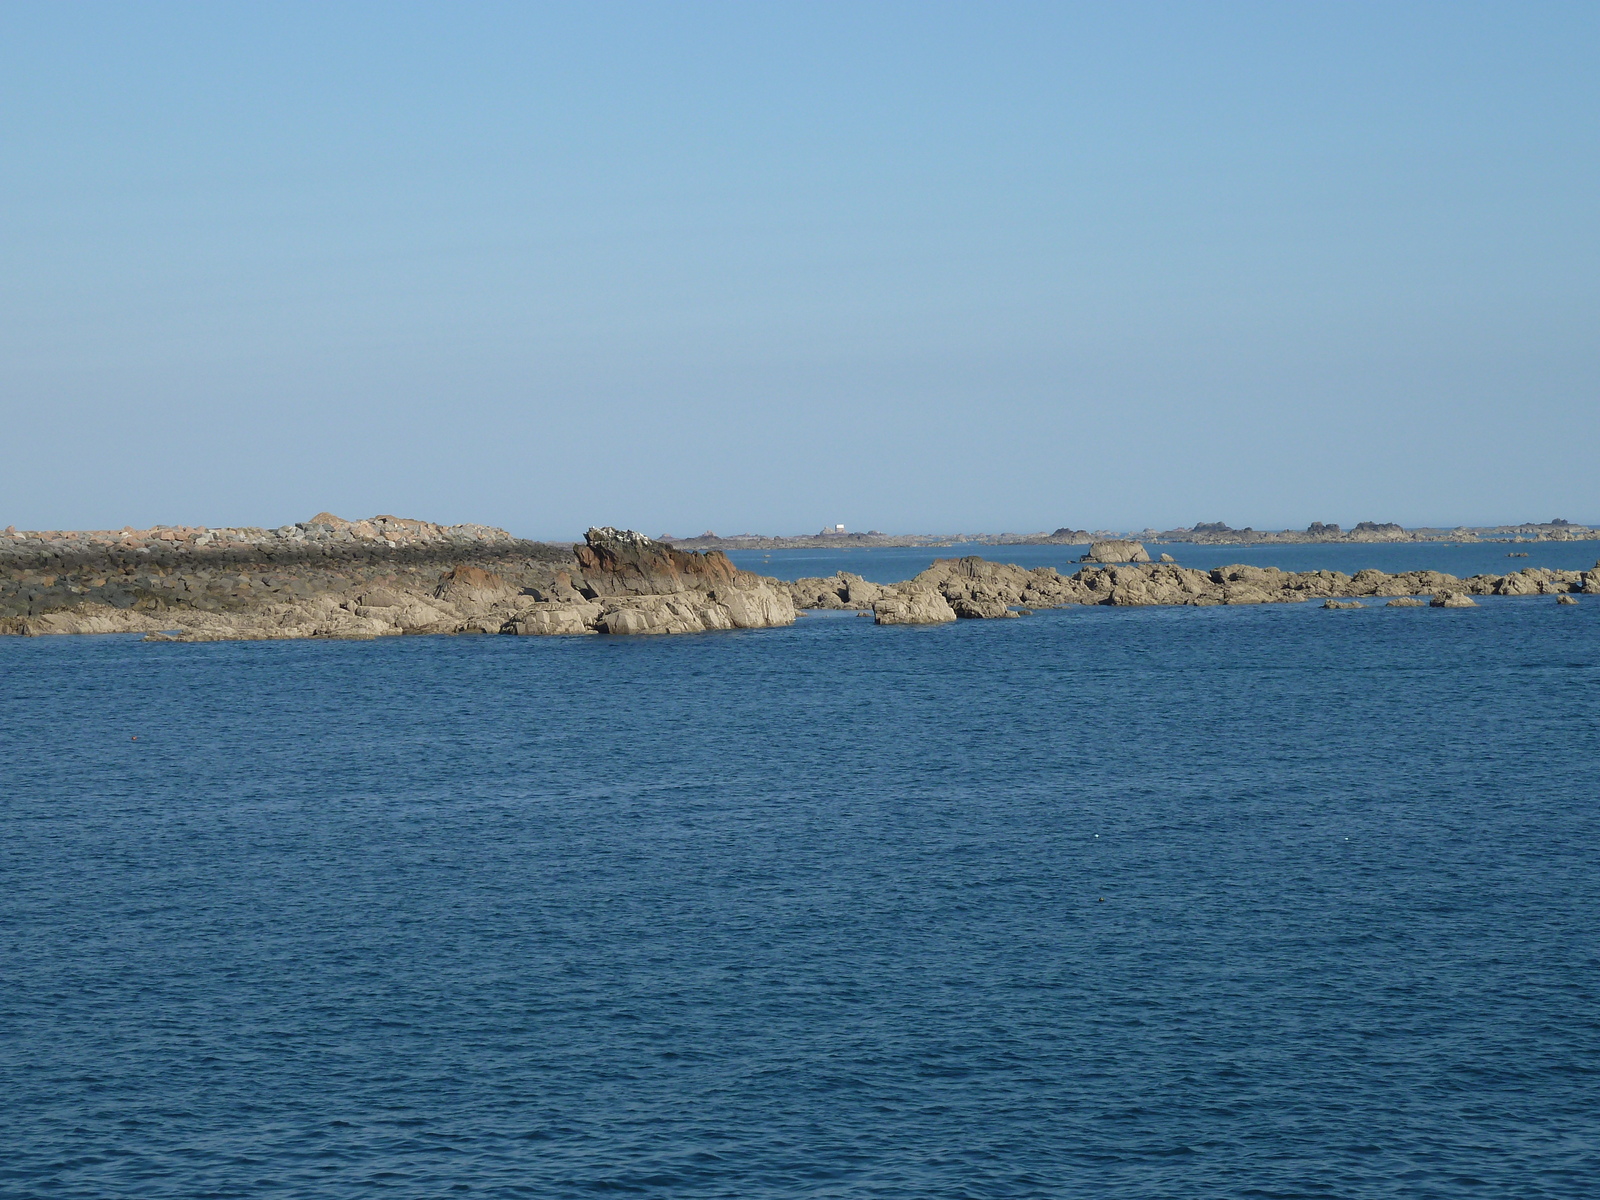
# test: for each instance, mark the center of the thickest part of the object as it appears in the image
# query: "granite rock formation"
(973, 587)
(383, 576)
(333, 578)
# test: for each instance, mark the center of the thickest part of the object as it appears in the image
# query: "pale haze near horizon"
(912, 267)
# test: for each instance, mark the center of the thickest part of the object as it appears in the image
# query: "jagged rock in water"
(1342, 604)
(842, 590)
(1453, 600)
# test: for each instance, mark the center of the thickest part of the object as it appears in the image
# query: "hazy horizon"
(712, 266)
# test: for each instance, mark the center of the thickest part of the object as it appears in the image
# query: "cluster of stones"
(975, 588)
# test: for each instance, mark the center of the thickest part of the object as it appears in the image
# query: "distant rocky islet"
(384, 576)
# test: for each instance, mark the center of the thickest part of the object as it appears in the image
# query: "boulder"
(922, 606)
(1342, 604)
(759, 606)
(1565, 600)
(1116, 552)
(859, 592)
(1406, 602)
(968, 608)
(1453, 600)
(472, 588)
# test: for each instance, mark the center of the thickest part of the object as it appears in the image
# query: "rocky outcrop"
(843, 590)
(385, 576)
(1116, 552)
(975, 588)
(642, 586)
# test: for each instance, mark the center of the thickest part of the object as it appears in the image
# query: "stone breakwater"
(975, 588)
(328, 577)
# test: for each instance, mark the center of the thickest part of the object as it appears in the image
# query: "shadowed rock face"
(621, 562)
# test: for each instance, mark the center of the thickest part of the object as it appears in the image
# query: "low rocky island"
(328, 577)
(385, 576)
(973, 587)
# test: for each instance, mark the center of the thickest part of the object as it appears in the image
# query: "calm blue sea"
(1101, 903)
(894, 563)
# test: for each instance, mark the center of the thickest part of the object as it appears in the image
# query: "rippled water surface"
(1226, 902)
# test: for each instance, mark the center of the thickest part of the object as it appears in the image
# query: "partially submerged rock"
(915, 606)
(1453, 600)
(1342, 604)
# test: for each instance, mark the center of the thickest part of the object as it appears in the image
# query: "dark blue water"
(1144, 903)
(894, 563)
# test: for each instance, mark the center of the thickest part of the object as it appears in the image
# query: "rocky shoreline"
(387, 576)
(328, 577)
(973, 587)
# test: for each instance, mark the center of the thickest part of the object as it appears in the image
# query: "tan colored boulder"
(1116, 552)
(968, 608)
(924, 606)
(1406, 602)
(759, 607)
(1452, 600)
(473, 588)
(859, 592)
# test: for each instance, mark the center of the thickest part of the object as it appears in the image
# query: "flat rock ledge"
(375, 578)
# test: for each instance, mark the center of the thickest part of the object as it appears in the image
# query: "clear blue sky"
(913, 267)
